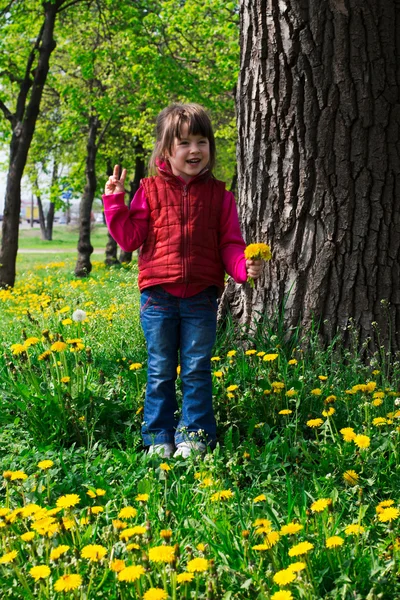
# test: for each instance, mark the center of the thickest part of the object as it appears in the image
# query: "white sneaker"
(165, 450)
(185, 449)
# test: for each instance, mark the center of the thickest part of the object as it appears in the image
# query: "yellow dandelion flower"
(197, 565)
(284, 577)
(260, 498)
(201, 547)
(321, 504)
(131, 573)
(377, 402)
(96, 510)
(155, 594)
(293, 361)
(285, 411)
(45, 464)
(270, 357)
(166, 534)
(262, 523)
(388, 514)
(215, 358)
(301, 548)
(4, 511)
(18, 476)
(261, 354)
(133, 547)
(316, 392)
(348, 434)
(314, 423)
(165, 467)
(261, 547)
(68, 582)
(350, 477)
(322, 377)
(379, 421)
(334, 541)
(118, 524)
(135, 366)
(65, 379)
(218, 374)
(184, 577)
(67, 501)
(128, 512)
(384, 504)
(328, 412)
(232, 388)
(142, 497)
(231, 353)
(30, 509)
(163, 554)
(58, 346)
(17, 349)
(9, 557)
(28, 536)
(67, 321)
(282, 595)
(250, 352)
(57, 552)
(39, 572)
(277, 385)
(258, 251)
(362, 441)
(222, 495)
(330, 399)
(291, 393)
(291, 528)
(271, 539)
(117, 565)
(93, 552)
(354, 529)
(371, 385)
(131, 531)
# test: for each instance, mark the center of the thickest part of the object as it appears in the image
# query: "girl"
(187, 228)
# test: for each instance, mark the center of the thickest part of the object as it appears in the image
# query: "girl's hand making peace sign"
(115, 183)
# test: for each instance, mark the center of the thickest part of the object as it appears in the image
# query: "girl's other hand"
(253, 268)
(115, 183)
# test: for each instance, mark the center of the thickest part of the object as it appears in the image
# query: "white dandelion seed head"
(79, 315)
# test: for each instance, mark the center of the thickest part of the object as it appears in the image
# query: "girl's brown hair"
(169, 126)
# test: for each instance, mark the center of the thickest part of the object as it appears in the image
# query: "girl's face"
(189, 155)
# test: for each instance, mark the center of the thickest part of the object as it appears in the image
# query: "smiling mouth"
(193, 161)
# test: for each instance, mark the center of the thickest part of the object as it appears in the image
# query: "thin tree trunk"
(140, 170)
(83, 265)
(42, 219)
(23, 124)
(319, 167)
(51, 211)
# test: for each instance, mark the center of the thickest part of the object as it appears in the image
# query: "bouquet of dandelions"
(257, 252)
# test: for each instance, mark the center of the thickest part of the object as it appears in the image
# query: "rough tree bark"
(318, 105)
(83, 265)
(23, 123)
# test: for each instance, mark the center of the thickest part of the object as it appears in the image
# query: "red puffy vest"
(182, 243)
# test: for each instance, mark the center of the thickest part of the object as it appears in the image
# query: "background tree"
(319, 162)
(25, 48)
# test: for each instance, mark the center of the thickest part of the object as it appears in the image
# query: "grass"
(64, 237)
(299, 500)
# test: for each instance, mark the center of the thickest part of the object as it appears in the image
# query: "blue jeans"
(186, 326)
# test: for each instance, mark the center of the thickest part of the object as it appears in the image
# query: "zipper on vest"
(185, 217)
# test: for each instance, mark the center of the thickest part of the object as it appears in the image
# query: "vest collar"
(164, 170)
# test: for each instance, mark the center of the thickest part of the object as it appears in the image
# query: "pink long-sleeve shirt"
(129, 228)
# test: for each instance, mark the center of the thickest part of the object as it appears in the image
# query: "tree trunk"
(83, 265)
(42, 218)
(140, 171)
(23, 124)
(52, 206)
(319, 166)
